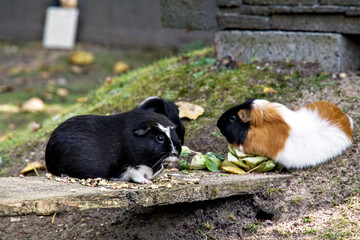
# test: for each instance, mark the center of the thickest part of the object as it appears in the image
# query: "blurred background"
(38, 79)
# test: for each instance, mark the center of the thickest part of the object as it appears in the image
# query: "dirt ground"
(319, 203)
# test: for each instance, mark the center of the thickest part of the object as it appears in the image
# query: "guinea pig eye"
(160, 138)
(232, 118)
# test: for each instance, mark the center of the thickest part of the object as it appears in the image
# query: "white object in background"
(60, 27)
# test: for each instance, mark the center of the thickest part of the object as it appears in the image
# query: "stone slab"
(334, 52)
(41, 196)
(340, 2)
(230, 20)
(316, 23)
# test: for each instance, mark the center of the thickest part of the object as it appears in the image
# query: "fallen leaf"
(120, 67)
(82, 99)
(269, 90)
(6, 137)
(81, 58)
(32, 166)
(33, 105)
(189, 110)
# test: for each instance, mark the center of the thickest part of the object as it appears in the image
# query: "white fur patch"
(141, 174)
(167, 131)
(351, 122)
(313, 140)
(146, 100)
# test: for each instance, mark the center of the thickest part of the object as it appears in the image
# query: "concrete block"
(281, 2)
(242, 21)
(317, 23)
(334, 52)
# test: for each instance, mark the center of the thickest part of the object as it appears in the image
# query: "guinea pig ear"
(253, 116)
(154, 103)
(245, 115)
(141, 131)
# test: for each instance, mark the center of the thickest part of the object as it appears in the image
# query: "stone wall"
(323, 31)
(341, 16)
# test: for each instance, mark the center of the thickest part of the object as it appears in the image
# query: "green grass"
(192, 77)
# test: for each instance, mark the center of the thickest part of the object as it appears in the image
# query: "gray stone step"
(334, 52)
(41, 196)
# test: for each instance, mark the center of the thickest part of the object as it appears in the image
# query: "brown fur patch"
(333, 114)
(268, 131)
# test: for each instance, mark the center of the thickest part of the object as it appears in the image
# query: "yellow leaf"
(82, 58)
(189, 110)
(230, 167)
(120, 67)
(233, 169)
(81, 99)
(32, 166)
(6, 137)
(269, 90)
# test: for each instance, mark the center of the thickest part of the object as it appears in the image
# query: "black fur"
(232, 127)
(169, 109)
(90, 146)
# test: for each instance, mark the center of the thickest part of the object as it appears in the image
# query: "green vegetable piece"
(231, 150)
(211, 165)
(254, 161)
(183, 164)
(218, 155)
(213, 157)
(265, 166)
(231, 158)
(236, 152)
(198, 162)
(185, 151)
(240, 154)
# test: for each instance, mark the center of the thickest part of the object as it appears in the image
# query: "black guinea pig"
(169, 109)
(130, 146)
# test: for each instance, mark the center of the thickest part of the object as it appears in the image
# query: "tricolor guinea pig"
(309, 136)
(169, 109)
(130, 146)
